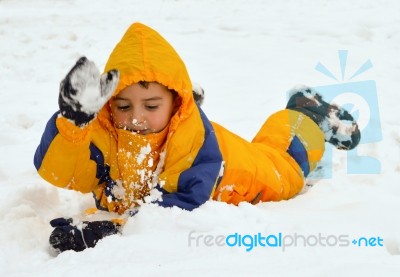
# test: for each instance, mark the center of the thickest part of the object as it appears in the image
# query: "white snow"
(246, 55)
(144, 151)
(118, 190)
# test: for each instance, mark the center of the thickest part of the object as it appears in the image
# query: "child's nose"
(137, 117)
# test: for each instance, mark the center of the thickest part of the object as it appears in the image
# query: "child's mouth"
(140, 132)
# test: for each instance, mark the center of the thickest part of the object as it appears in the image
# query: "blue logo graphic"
(281, 241)
(372, 241)
(360, 99)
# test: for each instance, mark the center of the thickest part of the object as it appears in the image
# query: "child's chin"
(142, 132)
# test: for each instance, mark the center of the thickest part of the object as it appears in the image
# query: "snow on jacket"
(190, 162)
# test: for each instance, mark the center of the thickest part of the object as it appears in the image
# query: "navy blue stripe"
(97, 156)
(50, 132)
(103, 174)
(196, 184)
(299, 153)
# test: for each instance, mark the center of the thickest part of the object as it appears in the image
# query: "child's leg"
(293, 134)
(273, 166)
(286, 149)
(339, 127)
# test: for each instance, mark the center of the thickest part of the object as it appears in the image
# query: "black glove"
(67, 236)
(83, 92)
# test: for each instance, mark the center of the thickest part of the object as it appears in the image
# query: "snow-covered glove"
(78, 237)
(338, 125)
(83, 92)
(198, 94)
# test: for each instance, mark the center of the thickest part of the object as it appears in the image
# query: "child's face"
(143, 110)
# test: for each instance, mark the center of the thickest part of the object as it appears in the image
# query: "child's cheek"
(120, 119)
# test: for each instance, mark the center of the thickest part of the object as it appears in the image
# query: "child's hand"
(84, 92)
(69, 236)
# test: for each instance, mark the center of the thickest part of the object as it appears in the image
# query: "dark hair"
(145, 84)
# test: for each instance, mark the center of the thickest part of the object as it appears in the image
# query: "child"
(135, 135)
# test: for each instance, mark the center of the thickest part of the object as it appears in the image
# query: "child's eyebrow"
(120, 98)
(155, 98)
(152, 98)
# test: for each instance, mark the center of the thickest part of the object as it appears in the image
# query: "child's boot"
(338, 126)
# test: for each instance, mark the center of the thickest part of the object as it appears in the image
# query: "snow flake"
(144, 151)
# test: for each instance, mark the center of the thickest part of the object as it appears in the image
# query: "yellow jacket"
(190, 162)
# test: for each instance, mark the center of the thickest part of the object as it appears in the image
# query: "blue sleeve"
(49, 134)
(196, 184)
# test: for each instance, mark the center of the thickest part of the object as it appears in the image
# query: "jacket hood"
(144, 55)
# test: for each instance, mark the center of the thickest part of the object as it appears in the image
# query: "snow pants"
(274, 165)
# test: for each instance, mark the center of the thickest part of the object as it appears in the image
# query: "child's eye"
(152, 107)
(123, 108)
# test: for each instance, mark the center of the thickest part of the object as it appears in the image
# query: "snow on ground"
(247, 55)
